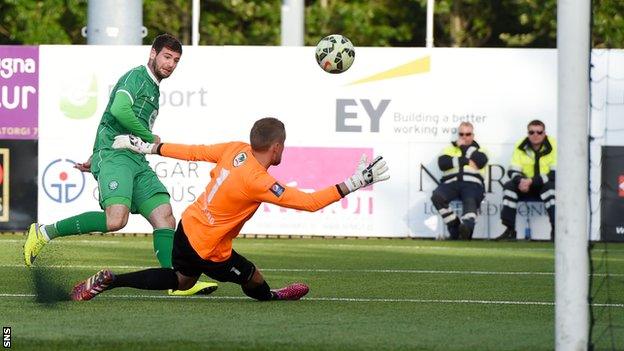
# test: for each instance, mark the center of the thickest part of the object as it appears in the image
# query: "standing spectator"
(462, 164)
(532, 176)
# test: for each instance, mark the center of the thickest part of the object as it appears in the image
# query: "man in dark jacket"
(462, 164)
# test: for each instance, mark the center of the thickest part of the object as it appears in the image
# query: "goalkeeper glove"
(131, 142)
(367, 174)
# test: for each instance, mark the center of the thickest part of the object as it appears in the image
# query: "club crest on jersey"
(113, 185)
(277, 189)
(239, 159)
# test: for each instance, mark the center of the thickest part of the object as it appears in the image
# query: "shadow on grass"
(50, 286)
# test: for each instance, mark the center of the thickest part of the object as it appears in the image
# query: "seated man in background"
(532, 176)
(461, 164)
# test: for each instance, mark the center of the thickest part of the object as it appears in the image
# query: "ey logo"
(348, 109)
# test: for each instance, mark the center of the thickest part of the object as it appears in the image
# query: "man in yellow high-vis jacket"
(532, 176)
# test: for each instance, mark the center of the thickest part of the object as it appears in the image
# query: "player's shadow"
(49, 285)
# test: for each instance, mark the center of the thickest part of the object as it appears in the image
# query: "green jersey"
(141, 87)
(125, 177)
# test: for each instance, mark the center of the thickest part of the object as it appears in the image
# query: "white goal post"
(571, 256)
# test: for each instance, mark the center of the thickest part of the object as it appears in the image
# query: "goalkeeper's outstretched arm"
(267, 189)
(365, 173)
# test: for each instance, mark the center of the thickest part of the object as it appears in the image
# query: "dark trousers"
(511, 196)
(470, 193)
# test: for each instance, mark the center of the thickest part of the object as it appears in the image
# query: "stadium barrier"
(402, 103)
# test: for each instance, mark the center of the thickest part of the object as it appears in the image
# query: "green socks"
(163, 246)
(96, 222)
(83, 223)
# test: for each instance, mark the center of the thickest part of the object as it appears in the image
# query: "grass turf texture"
(365, 295)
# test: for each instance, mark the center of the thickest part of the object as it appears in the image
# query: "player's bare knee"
(116, 223)
(116, 217)
(166, 213)
(162, 217)
(170, 221)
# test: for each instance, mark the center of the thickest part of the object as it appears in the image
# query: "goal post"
(571, 241)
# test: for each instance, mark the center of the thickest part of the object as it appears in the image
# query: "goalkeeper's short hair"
(265, 132)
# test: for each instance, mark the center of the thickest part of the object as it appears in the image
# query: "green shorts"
(126, 182)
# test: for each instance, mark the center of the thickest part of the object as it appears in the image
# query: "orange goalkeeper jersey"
(238, 185)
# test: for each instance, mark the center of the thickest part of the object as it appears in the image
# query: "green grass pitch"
(364, 295)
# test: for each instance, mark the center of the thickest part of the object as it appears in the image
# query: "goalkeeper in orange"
(239, 184)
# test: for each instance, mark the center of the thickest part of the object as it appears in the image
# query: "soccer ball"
(335, 53)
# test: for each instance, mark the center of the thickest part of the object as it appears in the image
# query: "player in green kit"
(126, 182)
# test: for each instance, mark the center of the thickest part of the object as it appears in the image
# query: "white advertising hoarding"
(404, 104)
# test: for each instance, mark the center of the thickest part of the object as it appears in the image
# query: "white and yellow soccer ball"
(335, 53)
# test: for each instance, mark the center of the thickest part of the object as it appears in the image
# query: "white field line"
(334, 299)
(334, 245)
(329, 244)
(83, 241)
(415, 271)
(310, 270)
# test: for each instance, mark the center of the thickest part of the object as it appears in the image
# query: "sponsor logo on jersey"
(62, 182)
(277, 189)
(239, 159)
(113, 185)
